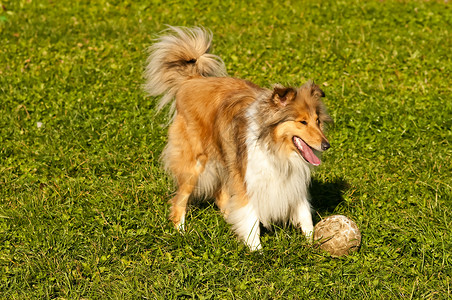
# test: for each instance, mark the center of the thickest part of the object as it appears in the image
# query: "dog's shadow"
(326, 196)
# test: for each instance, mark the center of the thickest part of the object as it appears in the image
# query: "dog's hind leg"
(187, 177)
(184, 159)
(222, 201)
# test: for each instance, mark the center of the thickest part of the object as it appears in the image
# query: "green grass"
(83, 199)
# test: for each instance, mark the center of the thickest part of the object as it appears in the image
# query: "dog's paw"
(254, 248)
(180, 226)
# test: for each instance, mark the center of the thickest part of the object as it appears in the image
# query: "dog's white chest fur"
(276, 187)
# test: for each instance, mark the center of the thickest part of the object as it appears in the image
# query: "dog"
(252, 149)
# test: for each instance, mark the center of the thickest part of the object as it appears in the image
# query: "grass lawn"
(83, 198)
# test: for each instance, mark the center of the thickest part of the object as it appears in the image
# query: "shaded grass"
(83, 198)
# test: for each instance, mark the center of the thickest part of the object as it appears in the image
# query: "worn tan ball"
(337, 235)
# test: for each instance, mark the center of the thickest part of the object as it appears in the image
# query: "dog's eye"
(304, 122)
(318, 121)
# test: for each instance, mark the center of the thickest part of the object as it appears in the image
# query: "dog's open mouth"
(306, 151)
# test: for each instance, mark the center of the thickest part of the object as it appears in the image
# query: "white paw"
(181, 226)
(308, 234)
(255, 246)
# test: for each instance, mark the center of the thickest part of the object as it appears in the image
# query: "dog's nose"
(325, 145)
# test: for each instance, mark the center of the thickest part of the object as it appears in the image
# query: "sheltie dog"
(249, 148)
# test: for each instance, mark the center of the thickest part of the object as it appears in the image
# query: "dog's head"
(298, 120)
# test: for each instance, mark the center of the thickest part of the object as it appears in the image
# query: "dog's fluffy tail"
(179, 54)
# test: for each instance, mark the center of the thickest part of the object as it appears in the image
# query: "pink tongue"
(306, 151)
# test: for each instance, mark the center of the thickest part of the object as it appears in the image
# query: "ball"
(338, 235)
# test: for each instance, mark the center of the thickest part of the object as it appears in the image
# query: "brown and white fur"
(249, 148)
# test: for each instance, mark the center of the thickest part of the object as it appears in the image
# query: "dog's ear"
(283, 95)
(316, 91)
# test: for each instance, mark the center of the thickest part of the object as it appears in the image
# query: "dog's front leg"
(246, 225)
(243, 216)
(302, 218)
